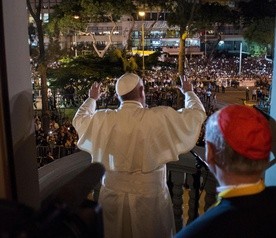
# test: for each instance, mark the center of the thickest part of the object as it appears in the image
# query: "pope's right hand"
(95, 91)
(185, 84)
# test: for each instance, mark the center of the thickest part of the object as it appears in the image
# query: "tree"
(256, 9)
(258, 21)
(260, 33)
(90, 11)
(40, 58)
(66, 20)
(83, 70)
(182, 14)
(107, 10)
(193, 17)
(213, 16)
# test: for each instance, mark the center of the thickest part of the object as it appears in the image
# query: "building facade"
(127, 33)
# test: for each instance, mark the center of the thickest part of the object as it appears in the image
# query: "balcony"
(192, 187)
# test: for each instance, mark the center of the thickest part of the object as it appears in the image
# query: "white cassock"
(134, 144)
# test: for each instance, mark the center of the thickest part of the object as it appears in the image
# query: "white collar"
(131, 103)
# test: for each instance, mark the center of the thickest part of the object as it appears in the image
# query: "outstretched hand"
(95, 91)
(185, 84)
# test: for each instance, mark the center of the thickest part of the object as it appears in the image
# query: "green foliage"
(64, 13)
(133, 66)
(105, 10)
(179, 12)
(66, 17)
(256, 49)
(84, 69)
(213, 13)
(197, 16)
(256, 9)
(161, 4)
(259, 23)
(129, 62)
(152, 60)
(260, 31)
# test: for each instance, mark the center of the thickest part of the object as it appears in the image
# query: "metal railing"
(48, 153)
(183, 176)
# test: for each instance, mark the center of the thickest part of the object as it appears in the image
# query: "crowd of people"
(60, 141)
(208, 78)
(215, 75)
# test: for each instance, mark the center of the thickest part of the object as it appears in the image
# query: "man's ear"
(141, 90)
(210, 153)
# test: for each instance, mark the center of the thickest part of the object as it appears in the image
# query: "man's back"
(141, 139)
(245, 216)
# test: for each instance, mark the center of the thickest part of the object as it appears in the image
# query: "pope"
(134, 143)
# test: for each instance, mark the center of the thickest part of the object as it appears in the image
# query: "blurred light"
(141, 13)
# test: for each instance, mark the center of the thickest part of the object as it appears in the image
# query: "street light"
(76, 17)
(240, 62)
(142, 14)
(75, 43)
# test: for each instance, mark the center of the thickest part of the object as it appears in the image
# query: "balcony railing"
(189, 183)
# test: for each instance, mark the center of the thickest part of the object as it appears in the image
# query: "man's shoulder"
(161, 108)
(204, 226)
(106, 111)
(271, 190)
(212, 222)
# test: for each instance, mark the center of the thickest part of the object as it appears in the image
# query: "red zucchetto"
(246, 130)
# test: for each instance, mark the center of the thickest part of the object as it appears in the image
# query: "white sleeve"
(84, 115)
(193, 101)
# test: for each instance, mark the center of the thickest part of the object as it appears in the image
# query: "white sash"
(136, 182)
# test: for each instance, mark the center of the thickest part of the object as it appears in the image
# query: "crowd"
(58, 142)
(209, 78)
(252, 69)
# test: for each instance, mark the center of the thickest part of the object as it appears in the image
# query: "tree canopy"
(85, 68)
(194, 17)
(76, 14)
(258, 20)
(256, 10)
